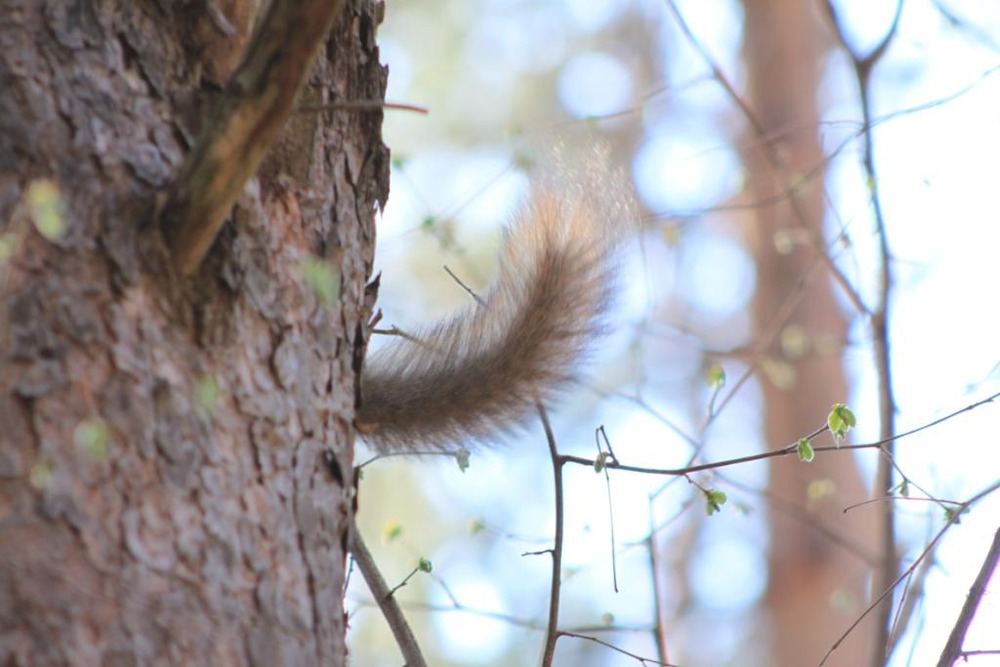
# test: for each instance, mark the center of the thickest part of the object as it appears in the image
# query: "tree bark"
(176, 454)
(818, 555)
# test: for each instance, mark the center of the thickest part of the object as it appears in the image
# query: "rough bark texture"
(818, 555)
(199, 529)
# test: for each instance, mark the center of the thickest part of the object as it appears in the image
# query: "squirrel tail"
(481, 372)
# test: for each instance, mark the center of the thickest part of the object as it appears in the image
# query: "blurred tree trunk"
(817, 584)
(175, 456)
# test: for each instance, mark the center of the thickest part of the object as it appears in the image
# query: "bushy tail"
(480, 373)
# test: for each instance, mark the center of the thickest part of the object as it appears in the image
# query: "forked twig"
(953, 648)
(552, 628)
(405, 639)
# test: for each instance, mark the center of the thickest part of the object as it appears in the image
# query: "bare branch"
(641, 660)
(784, 451)
(255, 105)
(953, 648)
(386, 601)
(775, 160)
(952, 520)
(552, 627)
(863, 67)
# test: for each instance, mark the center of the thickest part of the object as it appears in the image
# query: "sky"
(937, 104)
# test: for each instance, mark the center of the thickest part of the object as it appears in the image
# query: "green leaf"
(806, 452)
(391, 531)
(818, 489)
(784, 242)
(320, 277)
(671, 234)
(844, 601)
(91, 437)
(8, 246)
(780, 373)
(48, 211)
(206, 397)
(477, 526)
(41, 475)
(425, 564)
(601, 462)
(841, 420)
(462, 457)
(846, 415)
(523, 159)
(795, 342)
(716, 376)
(607, 618)
(714, 500)
(953, 514)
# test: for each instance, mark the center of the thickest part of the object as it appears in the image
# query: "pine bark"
(176, 453)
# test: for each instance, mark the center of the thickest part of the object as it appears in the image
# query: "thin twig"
(908, 604)
(863, 68)
(639, 658)
(784, 451)
(468, 289)
(952, 520)
(809, 520)
(660, 629)
(601, 433)
(775, 160)
(552, 629)
(516, 621)
(953, 648)
(405, 639)
(361, 105)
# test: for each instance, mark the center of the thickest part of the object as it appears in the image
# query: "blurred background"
(817, 188)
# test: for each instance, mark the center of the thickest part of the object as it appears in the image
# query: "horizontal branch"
(784, 451)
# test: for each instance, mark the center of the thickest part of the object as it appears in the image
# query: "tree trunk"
(176, 454)
(817, 585)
